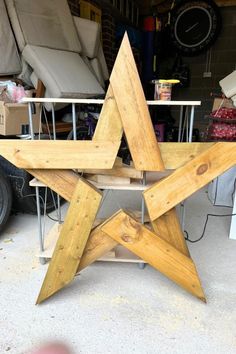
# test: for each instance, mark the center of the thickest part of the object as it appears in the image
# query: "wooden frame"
(163, 247)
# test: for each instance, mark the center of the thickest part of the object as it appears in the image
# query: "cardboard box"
(222, 102)
(14, 118)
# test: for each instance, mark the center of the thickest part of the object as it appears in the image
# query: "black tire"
(24, 198)
(5, 199)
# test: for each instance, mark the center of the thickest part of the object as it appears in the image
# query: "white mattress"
(97, 71)
(46, 23)
(64, 74)
(9, 58)
(89, 33)
(102, 61)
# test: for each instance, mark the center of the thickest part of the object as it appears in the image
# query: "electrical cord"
(214, 215)
(204, 228)
(33, 195)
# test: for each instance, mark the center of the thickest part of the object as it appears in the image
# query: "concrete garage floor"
(118, 308)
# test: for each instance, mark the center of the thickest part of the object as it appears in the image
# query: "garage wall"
(223, 60)
(223, 63)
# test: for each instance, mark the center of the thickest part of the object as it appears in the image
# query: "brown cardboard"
(14, 115)
(222, 102)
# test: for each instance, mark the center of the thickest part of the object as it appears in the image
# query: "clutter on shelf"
(11, 92)
(222, 124)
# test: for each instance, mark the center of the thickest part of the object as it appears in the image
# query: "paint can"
(162, 91)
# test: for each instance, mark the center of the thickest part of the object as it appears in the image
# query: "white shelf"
(118, 254)
(101, 101)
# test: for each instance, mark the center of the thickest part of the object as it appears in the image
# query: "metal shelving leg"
(180, 123)
(190, 136)
(142, 265)
(40, 229)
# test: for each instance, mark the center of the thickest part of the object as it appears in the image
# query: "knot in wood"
(128, 238)
(131, 231)
(202, 169)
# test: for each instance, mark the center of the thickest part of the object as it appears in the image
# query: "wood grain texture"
(134, 112)
(72, 240)
(60, 181)
(40, 90)
(168, 228)
(48, 154)
(64, 183)
(97, 246)
(109, 180)
(30, 154)
(155, 251)
(118, 171)
(183, 182)
(109, 126)
(175, 155)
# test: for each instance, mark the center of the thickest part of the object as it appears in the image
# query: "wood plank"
(93, 156)
(52, 236)
(60, 181)
(155, 251)
(49, 154)
(133, 186)
(175, 155)
(97, 246)
(134, 112)
(183, 182)
(103, 179)
(168, 228)
(40, 90)
(109, 126)
(118, 171)
(118, 162)
(167, 225)
(64, 183)
(72, 240)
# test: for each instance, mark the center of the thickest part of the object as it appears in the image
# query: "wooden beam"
(64, 183)
(109, 180)
(98, 244)
(60, 154)
(117, 171)
(60, 181)
(155, 251)
(134, 112)
(183, 182)
(168, 228)
(93, 157)
(40, 90)
(109, 126)
(72, 239)
(175, 155)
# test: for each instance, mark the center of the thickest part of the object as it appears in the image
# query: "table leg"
(190, 137)
(142, 265)
(53, 123)
(40, 230)
(180, 123)
(74, 122)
